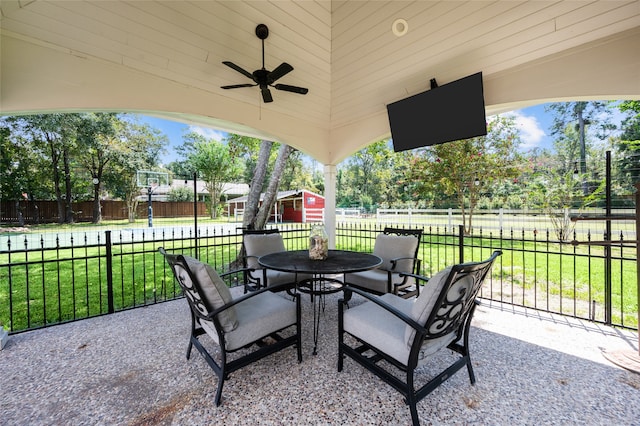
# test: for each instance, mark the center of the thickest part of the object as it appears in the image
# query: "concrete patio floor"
(129, 368)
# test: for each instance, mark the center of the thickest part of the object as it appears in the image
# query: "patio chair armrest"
(250, 282)
(416, 276)
(384, 305)
(395, 261)
(275, 288)
(236, 271)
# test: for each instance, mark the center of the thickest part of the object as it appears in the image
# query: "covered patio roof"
(164, 58)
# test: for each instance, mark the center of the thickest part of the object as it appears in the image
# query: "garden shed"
(298, 205)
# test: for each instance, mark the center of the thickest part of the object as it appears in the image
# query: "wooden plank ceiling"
(344, 51)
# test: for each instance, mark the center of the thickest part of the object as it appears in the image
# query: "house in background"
(230, 190)
(299, 205)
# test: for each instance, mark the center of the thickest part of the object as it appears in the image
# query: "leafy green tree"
(553, 186)
(628, 146)
(52, 137)
(141, 149)
(214, 164)
(297, 174)
(365, 178)
(401, 188)
(465, 168)
(23, 171)
(98, 138)
(571, 122)
(181, 193)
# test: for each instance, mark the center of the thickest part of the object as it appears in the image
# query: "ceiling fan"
(263, 77)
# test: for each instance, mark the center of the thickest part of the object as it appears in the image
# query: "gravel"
(130, 368)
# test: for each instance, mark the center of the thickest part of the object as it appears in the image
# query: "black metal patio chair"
(257, 243)
(406, 333)
(398, 249)
(234, 320)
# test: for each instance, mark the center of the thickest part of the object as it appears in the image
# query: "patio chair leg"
(219, 391)
(472, 376)
(415, 421)
(412, 400)
(189, 346)
(298, 327)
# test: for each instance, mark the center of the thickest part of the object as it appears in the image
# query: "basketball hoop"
(152, 181)
(152, 185)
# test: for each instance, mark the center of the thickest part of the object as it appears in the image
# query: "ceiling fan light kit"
(264, 78)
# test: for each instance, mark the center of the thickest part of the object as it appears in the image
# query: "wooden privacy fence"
(34, 212)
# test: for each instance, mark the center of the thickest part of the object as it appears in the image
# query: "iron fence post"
(461, 243)
(195, 214)
(109, 257)
(607, 248)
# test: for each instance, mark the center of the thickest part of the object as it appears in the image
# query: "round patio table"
(323, 273)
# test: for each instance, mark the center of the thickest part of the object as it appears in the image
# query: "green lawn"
(58, 285)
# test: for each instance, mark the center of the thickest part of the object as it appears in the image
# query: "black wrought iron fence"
(65, 279)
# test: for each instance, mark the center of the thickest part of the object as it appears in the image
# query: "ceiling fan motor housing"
(262, 31)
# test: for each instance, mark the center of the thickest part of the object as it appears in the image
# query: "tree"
(99, 139)
(272, 189)
(628, 144)
(52, 137)
(255, 187)
(553, 186)
(296, 174)
(181, 193)
(213, 162)
(256, 215)
(580, 116)
(142, 146)
(365, 179)
(465, 168)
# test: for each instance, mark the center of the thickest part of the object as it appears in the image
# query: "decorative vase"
(318, 243)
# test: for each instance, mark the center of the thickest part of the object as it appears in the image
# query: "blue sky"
(533, 122)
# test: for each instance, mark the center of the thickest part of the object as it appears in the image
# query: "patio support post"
(330, 203)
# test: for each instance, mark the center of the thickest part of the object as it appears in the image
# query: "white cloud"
(208, 132)
(531, 132)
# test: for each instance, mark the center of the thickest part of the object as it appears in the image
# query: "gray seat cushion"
(387, 247)
(214, 291)
(389, 334)
(258, 317)
(374, 280)
(378, 327)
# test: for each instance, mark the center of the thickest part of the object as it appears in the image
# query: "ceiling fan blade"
(283, 69)
(236, 86)
(294, 89)
(266, 95)
(239, 69)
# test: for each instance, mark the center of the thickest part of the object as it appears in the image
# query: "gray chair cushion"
(424, 303)
(260, 244)
(386, 332)
(374, 280)
(383, 330)
(378, 327)
(214, 291)
(389, 247)
(258, 316)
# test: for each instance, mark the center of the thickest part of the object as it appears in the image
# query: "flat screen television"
(450, 112)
